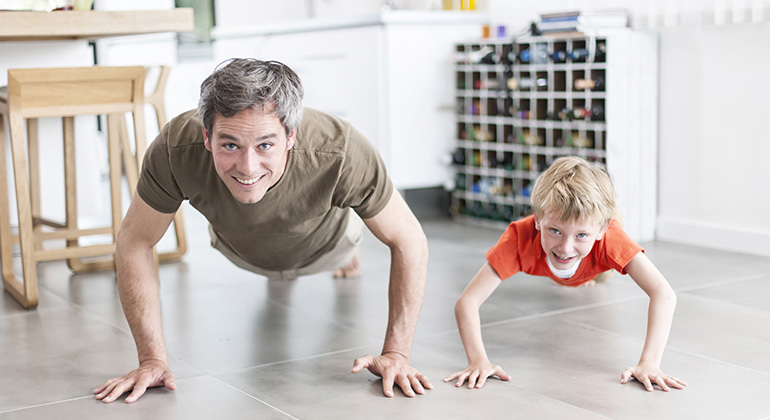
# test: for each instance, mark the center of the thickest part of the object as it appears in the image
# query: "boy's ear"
(537, 223)
(601, 234)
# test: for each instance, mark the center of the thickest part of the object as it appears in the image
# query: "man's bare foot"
(350, 271)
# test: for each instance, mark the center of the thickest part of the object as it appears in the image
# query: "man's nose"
(248, 162)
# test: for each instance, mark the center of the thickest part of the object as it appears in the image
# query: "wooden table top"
(92, 24)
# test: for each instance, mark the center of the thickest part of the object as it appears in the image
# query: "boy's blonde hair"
(572, 189)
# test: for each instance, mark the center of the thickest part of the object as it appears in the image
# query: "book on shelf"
(582, 21)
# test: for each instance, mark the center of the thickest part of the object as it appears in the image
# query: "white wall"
(714, 138)
(714, 159)
(714, 151)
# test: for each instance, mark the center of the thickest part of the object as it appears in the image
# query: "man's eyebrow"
(259, 139)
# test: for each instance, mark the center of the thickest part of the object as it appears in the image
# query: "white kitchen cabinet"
(391, 75)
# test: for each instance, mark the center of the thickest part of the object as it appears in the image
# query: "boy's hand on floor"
(648, 375)
(477, 375)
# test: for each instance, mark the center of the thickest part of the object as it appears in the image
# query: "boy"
(571, 238)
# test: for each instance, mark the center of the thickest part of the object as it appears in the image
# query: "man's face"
(565, 243)
(250, 151)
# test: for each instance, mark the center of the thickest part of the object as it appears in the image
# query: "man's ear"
(206, 140)
(290, 139)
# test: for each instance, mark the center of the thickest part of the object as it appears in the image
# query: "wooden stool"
(157, 100)
(63, 92)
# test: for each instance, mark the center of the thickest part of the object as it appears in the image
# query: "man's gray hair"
(241, 83)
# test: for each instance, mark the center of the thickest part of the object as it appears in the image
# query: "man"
(277, 188)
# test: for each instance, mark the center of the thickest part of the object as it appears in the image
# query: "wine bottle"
(559, 56)
(579, 54)
(596, 83)
(526, 83)
(597, 112)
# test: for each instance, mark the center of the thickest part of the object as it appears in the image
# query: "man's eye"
(230, 146)
(265, 146)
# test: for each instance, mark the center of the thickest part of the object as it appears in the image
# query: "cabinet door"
(339, 70)
(420, 95)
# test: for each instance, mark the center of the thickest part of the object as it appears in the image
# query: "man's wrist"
(394, 352)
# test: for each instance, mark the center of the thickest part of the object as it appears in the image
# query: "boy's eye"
(582, 235)
(554, 231)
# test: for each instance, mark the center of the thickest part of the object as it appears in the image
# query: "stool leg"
(70, 187)
(70, 191)
(113, 146)
(6, 239)
(26, 292)
(34, 178)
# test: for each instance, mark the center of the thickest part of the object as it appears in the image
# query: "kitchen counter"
(394, 17)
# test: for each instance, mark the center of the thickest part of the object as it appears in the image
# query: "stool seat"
(65, 93)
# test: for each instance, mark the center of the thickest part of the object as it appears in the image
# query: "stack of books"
(582, 21)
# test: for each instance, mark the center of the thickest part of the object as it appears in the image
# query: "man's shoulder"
(322, 132)
(184, 130)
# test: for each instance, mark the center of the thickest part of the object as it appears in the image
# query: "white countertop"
(395, 17)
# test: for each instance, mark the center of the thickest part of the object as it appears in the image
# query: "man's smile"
(248, 181)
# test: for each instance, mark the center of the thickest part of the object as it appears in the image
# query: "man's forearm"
(140, 297)
(408, 275)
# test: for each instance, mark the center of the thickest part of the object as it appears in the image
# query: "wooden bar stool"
(158, 102)
(63, 92)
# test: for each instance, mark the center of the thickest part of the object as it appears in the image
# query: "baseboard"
(728, 238)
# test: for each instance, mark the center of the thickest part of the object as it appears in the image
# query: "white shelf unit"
(507, 137)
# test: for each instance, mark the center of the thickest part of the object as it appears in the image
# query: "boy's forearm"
(659, 319)
(469, 323)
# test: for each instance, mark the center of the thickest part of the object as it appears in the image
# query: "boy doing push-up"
(571, 238)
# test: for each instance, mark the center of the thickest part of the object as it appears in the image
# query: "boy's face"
(565, 243)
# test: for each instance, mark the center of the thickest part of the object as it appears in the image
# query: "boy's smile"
(566, 243)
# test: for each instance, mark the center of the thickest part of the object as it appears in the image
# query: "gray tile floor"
(243, 347)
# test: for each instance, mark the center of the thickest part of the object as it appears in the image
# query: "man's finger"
(424, 381)
(169, 381)
(387, 385)
(116, 392)
(406, 387)
(361, 363)
(135, 394)
(416, 385)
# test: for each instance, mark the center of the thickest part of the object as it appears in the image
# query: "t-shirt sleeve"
(619, 248)
(157, 185)
(504, 256)
(364, 184)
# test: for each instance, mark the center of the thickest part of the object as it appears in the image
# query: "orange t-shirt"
(520, 249)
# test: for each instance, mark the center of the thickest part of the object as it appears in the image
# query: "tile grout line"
(722, 282)
(560, 311)
(668, 347)
(46, 404)
(255, 398)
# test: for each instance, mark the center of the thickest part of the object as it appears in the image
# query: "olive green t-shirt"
(331, 168)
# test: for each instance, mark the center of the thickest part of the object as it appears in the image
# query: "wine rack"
(523, 104)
